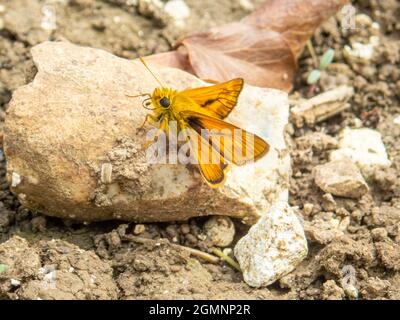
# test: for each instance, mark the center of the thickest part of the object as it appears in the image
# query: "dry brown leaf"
(262, 48)
(296, 20)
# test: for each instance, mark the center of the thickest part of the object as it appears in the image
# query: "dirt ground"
(53, 259)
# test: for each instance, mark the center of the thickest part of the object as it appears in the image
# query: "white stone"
(15, 179)
(274, 246)
(247, 5)
(106, 173)
(362, 52)
(397, 120)
(364, 147)
(15, 283)
(178, 10)
(79, 101)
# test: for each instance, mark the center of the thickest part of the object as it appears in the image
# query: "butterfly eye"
(165, 102)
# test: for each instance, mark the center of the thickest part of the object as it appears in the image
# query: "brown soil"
(102, 260)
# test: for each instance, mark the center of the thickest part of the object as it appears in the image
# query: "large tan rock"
(75, 119)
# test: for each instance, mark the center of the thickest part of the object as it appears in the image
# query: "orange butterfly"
(202, 110)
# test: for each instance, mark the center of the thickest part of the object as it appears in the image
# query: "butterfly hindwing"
(234, 144)
(210, 162)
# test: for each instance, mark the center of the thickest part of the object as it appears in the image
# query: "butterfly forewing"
(218, 100)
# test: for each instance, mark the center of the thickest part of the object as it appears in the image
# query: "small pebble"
(175, 268)
(220, 231)
(114, 240)
(342, 212)
(328, 202)
(15, 179)
(172, 231)
(246, 5)
(191, 238)
(308, 208)
(38, 224)
(139, 229)
(15, 283)
(341, 178)
(178, 10)
(379, 234)
(185, 228)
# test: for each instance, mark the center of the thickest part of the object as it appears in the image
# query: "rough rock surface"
(364, 147)
(75, 119)
(340, 178)
(272, 248)
(53, 269)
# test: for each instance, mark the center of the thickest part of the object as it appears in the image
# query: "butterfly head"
(162, 98)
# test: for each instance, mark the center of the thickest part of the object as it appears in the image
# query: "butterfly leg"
(162, 124)
(146, 119)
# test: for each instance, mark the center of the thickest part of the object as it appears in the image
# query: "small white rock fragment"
(274, 246)
(397, 120)
(15, 283)
(362, 52)
(364, 147)
(220, 231)
(106, 173)
(15, 179)
(363, 20)
(49, 18)
(178, 10)
(93, 279)
(340, 178)
(308, 208)
(139, 229)
(246, 5)
(351, 291)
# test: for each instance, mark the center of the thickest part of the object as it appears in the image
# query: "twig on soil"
(200, 254)
(314, 57)
(227, 259)
(194, 252)
(321, 107)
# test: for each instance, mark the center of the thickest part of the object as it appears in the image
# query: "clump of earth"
(359, 260)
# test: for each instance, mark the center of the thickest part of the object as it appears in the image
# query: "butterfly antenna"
(152, 73)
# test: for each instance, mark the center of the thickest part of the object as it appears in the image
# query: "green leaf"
(327, 59)
(3, 268)
(313, 77)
